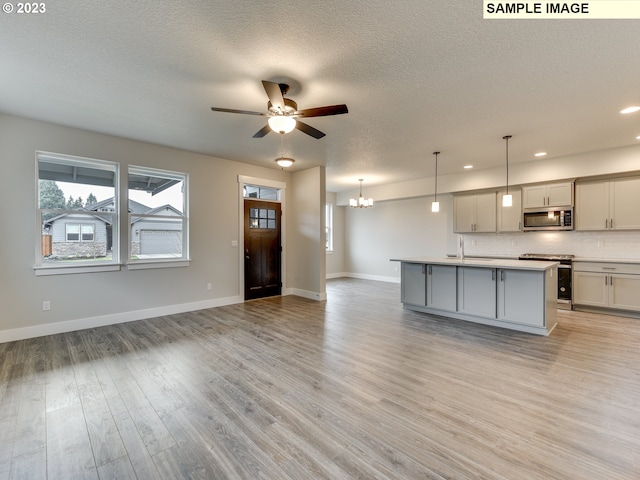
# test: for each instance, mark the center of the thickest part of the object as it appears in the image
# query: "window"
(262, 218)
(76, 232)
(328, 213)
(263, 193)
(73, 231)
(157, 215)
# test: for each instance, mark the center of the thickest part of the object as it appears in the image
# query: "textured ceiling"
(417, 76)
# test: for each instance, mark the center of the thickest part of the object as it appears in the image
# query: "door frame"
(239, 243)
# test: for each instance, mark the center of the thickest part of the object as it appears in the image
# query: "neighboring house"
(88, 234)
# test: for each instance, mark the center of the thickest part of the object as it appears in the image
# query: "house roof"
(134, 208)
(416, 76)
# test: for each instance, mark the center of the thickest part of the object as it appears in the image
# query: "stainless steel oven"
(550, 218)
(564, 275)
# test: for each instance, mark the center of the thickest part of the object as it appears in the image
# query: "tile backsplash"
(596, 245)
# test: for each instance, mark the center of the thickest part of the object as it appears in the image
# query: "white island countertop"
(539, 265)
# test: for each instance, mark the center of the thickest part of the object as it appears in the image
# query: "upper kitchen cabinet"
(510, 218)
(474, 212)
(547, 195)
(608, 204)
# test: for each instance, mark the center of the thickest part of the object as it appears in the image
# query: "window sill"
(144, 265)
(72, 269)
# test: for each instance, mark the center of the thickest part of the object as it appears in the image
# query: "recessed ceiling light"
(468, 166)
(630, 109)
(638, 137)
(540, 154)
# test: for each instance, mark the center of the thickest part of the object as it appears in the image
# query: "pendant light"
(507, 199)
(361, 202)
(435, 205)
(283, 161)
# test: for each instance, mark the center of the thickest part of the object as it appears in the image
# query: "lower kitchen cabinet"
(441, 287)
(509, 294)
(519, 293)
(413, 283)
(606, 285)
(477, 291)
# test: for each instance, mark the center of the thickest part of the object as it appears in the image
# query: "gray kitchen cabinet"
(510, 218)
(608, 204)
(477, 291)
(559, 194)
(606, 285)
(518, 296)
(441, 287)
(474, 212)
(413, 284)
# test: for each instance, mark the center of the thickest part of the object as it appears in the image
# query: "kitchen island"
(515, 294)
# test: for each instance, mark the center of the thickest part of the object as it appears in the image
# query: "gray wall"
(392, 229)
(107, 297)
(306, 258)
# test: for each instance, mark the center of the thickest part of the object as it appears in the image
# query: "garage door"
(161, 242)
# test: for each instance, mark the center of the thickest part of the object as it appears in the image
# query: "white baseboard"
(364, 276)
(112, 319)
(305, 294)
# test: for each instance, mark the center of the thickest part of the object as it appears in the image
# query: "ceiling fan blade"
(262, 132)
(309, 130)
(323, 111)
(230, 110)
(275, 94)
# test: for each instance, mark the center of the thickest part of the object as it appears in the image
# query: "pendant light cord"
(435, 194)
(507, 137)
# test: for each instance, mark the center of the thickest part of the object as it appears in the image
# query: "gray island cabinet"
(514, 294)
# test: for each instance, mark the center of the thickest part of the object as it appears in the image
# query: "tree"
(73, 204)
(91, 199)
(51, 196)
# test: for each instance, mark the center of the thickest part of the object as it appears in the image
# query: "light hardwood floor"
(288, 388)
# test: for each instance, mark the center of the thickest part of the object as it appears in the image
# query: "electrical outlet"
(46, 306)
(209, 287)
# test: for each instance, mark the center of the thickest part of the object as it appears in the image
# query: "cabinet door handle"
(606, 279)
(606, 223)
(429, 269)
(611, 280)
(493, 274)
(611, 223)
(502, 275)
(423, 265)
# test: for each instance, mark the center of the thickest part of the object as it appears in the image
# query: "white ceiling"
(417, 76)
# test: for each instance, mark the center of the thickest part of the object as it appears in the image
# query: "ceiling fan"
(283, 112)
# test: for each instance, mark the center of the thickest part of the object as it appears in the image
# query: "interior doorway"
(262, 248)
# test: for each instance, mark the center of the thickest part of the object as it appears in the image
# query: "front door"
(261, 249)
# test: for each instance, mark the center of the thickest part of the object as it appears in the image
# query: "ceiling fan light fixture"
(285, 162)
(282, 123)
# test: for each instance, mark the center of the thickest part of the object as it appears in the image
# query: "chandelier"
(361, 202)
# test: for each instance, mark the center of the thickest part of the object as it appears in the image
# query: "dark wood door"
(262, 249)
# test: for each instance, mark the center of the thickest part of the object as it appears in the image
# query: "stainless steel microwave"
(550, 218)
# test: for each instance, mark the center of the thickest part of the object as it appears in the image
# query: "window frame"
(166, 261)
(328, 219)
(84, 265)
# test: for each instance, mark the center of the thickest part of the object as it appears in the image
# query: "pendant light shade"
(507, 199)
(361, 202)
(435, 205)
